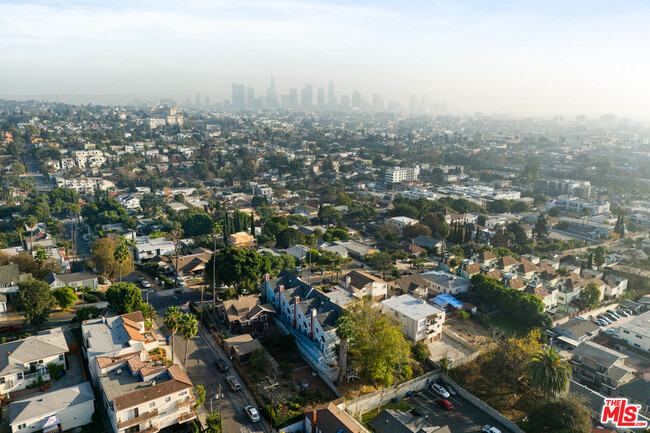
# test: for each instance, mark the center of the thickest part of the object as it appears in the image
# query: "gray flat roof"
(106, 337)
(43, 405)
(121, 381)
(412, 307)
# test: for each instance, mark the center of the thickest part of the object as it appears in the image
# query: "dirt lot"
(475, 334)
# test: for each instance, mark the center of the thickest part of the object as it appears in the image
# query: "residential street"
(202, 370)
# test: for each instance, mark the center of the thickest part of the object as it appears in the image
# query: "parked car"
(252, 413)
(605, 319)
(145, 284)
(442, 392)
(490, 429)
(233, 383)
(445, 404)
(611, 317)
(609, 331)
(450, 389)
(325, 281)
(10, 328)
(221, 365)
(613, 313)
(629, 312)
(623, 313)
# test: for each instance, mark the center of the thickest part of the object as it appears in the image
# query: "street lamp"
(148, 295)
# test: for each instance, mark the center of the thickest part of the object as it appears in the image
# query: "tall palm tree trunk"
(343, 359)
(187, 342)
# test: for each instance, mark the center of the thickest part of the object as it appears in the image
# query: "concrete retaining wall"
(484, 407)
(370, 401)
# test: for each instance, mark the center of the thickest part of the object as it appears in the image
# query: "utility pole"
(201, 321)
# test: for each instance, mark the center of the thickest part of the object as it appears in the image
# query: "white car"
(442, 392)
(489, 429)
(252, 413)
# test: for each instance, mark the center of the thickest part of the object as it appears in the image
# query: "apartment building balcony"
(190, 401)
(189, 416)
(138, 419)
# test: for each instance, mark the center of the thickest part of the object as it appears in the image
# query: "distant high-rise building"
(307, 97)
(197, 100)
(345, 101)
(331, 95)
(441, 108)
(250, 96)
(238, 95)
(394, 107)
(272, 95)
(207, 102)
(356, 99)
(377, 103)
(426, 104)
(413, 104)
(293, 98)
(320, 99)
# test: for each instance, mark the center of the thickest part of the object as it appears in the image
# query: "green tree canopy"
(562, 415)
(36, 300)
(124, 298)
(65, 297)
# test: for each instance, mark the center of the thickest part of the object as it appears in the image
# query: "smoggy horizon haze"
(515, 57)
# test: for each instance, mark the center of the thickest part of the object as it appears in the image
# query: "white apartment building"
(89, 158)
(575, 205)
(143, 397)
(422, 321)
(22, 362)
(400, 222)
(406, 174)
(146, 248)
(636, 332)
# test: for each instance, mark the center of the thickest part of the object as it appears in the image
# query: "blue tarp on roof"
(445, 299)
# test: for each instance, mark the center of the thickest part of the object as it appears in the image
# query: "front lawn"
(508, 325)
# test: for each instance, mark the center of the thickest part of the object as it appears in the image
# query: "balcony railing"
(152, 429)
(138, 419)
(187, 402)
(186, 417)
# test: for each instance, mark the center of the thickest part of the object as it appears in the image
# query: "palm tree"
(31, 222)
(344, 332)
(216, 230)
(171, 321)
(19, 224)
(188, 326)
(586, 213)
(148, 312)
(549, 371)
(41, 257)
(121, 255)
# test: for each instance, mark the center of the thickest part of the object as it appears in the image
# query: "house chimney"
(313, 421)
(295, 311)
(311, 327)
(281, 288)
(267, 277)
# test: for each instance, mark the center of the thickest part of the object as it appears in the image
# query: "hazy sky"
(521, 57)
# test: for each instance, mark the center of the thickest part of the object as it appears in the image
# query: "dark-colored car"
(221, 365)
(10, 328)
(444, 404)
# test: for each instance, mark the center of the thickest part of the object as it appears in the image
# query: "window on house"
(263, 318)
(61, 357)
(40, 361)
(152, 404)
(639, 336)
(182, 393)
(254, 319)
(168, 399)
(20, 376)
(2, 380)
(22, 426)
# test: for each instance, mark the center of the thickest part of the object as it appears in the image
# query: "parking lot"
(464, 418)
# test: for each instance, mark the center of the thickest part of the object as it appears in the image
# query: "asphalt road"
(200, 367)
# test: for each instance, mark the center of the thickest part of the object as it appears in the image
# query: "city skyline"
(516, 57)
